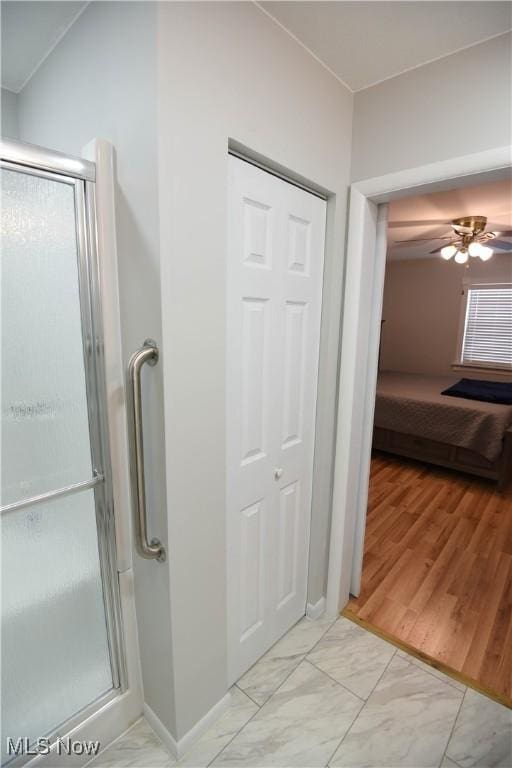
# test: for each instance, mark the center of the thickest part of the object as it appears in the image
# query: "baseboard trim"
(315, 610)
(161, 731)
(180, 747)
(203, 724)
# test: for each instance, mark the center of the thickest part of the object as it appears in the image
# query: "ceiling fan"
(469, 238)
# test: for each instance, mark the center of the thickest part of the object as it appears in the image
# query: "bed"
(413, 419)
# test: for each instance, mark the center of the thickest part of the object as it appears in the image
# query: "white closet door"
(274, 297)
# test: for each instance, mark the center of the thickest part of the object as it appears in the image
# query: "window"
(486, 329)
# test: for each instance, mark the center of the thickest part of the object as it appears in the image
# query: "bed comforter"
(413, 404)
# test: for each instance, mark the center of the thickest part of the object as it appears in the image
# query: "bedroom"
(437, 566)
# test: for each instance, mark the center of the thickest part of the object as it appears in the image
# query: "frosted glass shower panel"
(55, 655)
(45, 433)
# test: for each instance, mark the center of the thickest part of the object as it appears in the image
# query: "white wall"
(455, 106)
(422, 300)
(100, 81)
(226, 71)
(9, 110)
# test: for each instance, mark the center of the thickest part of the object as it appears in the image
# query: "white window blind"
(487, 339)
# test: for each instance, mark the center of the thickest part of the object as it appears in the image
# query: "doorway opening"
(438, 541)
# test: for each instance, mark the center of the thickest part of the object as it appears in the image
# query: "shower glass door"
(60, 648)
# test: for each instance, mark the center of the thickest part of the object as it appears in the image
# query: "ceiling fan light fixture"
(485, 252)
(461, 256)
(475, 248)
(448, 251)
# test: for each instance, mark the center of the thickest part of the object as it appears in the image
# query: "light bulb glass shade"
(475, 249)
(448, 251)
(485, 252)
(461, 257)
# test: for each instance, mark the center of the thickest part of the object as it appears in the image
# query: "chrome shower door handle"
(148, 353)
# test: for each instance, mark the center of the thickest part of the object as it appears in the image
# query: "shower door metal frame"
(80, 174)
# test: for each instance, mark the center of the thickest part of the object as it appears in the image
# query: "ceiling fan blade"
(500, 244)
(422, 223)
(420, 240)
(502, 232)
(437, 250)
(499, 227)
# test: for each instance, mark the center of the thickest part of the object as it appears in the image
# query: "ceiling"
(363, 43)
(423, 216)
(30, 30)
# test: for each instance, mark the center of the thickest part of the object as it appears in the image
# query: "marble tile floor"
(333, 694)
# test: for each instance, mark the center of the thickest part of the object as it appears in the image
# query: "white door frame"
(362, 309)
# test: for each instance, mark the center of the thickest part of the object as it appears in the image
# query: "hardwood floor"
(437, 572)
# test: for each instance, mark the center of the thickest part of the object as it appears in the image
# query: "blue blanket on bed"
(488, 391)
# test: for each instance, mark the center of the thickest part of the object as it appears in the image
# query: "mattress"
(413, 404)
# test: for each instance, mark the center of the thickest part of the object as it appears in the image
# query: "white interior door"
(274, 298)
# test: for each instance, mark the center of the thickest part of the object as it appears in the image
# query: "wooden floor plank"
(437, 572)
